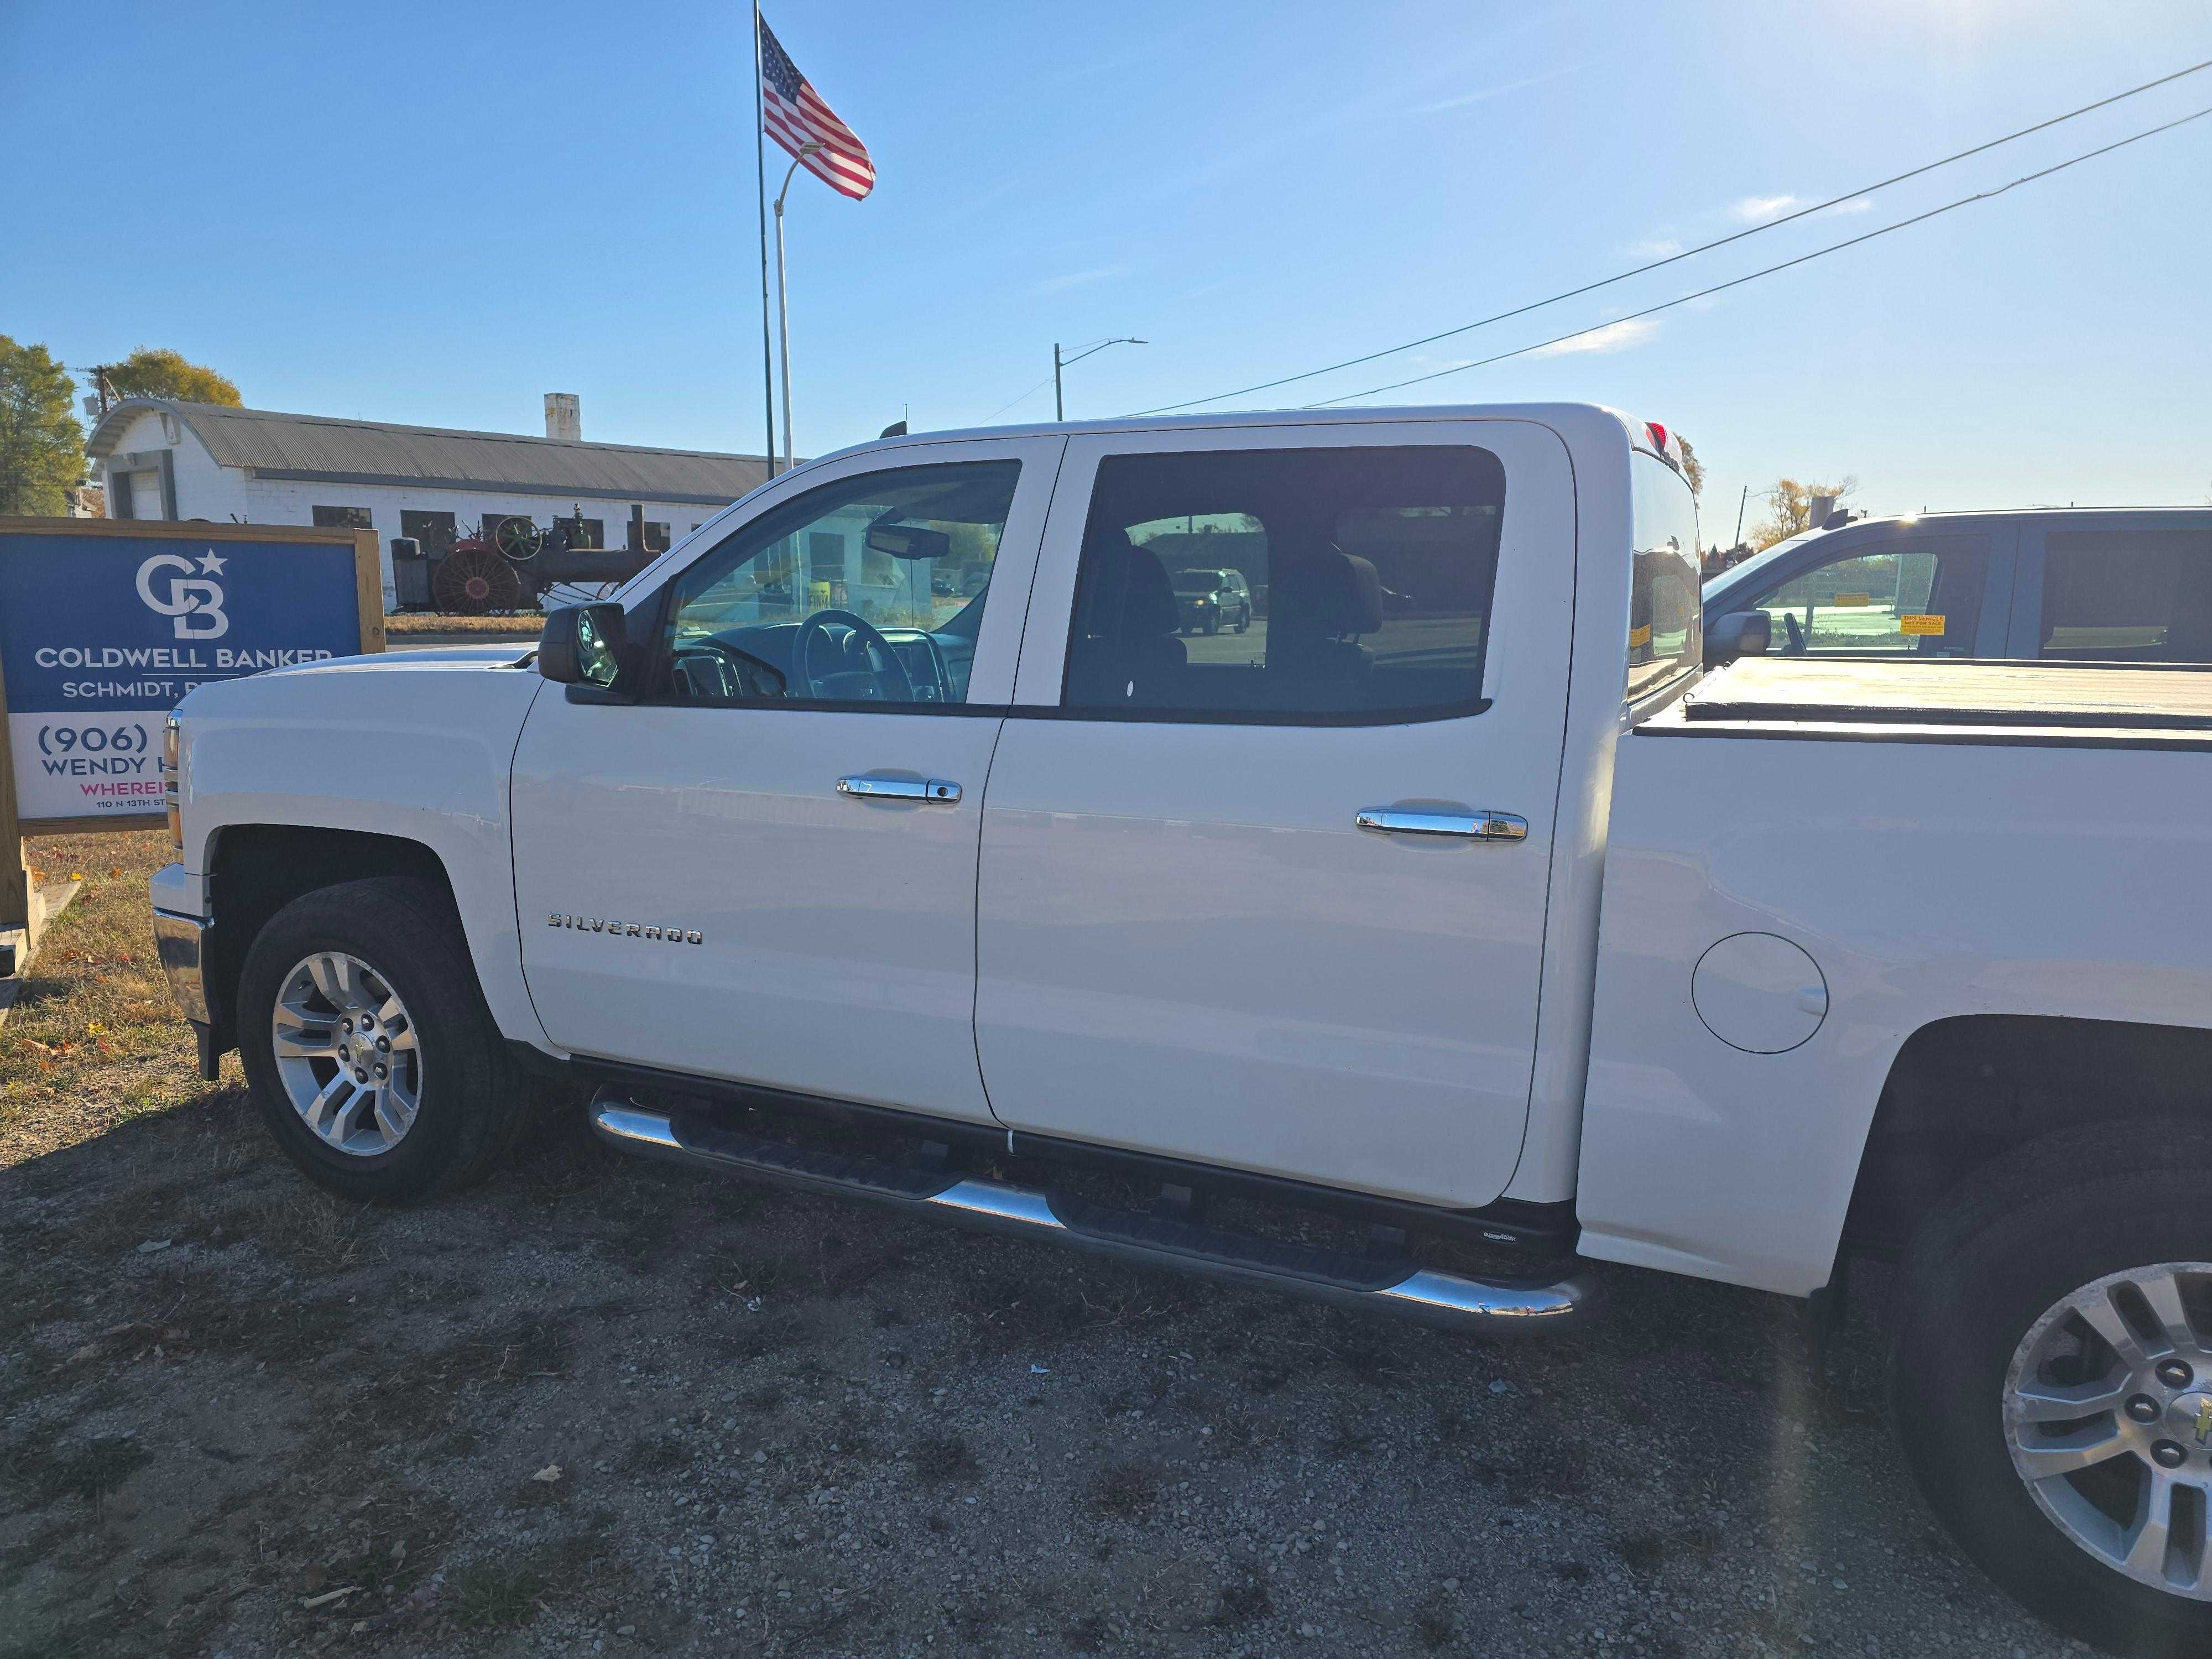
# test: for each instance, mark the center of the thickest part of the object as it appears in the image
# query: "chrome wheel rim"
(347, 1054)
(2108, 1417)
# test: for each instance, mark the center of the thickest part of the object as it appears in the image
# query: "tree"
(1691, 468)
(147, 373)
(41, 445)
(1789, 507)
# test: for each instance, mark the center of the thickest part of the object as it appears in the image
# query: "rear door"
(1275, 900)
(2132, 586)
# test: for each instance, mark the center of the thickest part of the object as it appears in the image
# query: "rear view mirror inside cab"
(908, 541)
(1747, 634)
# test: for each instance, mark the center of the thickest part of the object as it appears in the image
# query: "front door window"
(868, 590)
(1922, 597)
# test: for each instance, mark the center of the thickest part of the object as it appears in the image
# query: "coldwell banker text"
(207, 662)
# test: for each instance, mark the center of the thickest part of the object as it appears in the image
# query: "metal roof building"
(164, 460)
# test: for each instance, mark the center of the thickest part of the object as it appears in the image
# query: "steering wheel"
(889, 673)
(1796, 633)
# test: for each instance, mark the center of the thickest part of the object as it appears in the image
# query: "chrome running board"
(1399, 1284)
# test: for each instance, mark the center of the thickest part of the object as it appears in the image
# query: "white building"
(160, 459)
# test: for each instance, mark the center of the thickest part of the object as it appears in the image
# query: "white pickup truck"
(1446, 929)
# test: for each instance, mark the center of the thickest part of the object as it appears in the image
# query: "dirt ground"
(604, 1406)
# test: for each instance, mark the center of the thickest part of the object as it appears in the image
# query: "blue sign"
(102, 634)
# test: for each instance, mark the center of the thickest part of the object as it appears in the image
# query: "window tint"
(869, 590)
(1665, 618)
(1364, 583)
(2128, 595)
(1922, 597)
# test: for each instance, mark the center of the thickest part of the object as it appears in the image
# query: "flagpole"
(783, 294)
(760, 199)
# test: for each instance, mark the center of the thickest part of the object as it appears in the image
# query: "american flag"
(795, 117)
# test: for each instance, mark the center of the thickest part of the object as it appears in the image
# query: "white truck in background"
(1450, 906)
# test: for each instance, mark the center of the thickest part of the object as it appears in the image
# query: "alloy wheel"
(347, 1054)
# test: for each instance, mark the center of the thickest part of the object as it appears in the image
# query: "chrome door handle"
(938, 791)
(1471, 826)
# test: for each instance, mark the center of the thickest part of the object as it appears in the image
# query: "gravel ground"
(605, 1407)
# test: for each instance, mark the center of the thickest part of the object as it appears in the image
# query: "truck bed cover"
(1932, 699)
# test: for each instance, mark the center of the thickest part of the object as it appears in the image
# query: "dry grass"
(530, 623)
(95, 1040)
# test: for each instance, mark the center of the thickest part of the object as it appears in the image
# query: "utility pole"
(1059, 362)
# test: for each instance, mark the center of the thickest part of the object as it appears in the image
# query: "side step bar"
(1399, 1284)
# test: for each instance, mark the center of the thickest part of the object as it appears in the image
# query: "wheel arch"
(255, 870)
(1966, 1089)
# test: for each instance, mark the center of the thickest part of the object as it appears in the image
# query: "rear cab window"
(1666, 630)
(2132, 594)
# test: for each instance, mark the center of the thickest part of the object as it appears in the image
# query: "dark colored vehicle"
(1207, 601)
(2086, 585)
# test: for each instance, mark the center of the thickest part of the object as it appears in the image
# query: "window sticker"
(1920, 624)
(1639, 635)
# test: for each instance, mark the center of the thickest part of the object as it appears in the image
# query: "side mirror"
(1746, 633)
(582, 644)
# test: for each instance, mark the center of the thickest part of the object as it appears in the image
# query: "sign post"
(105, 624)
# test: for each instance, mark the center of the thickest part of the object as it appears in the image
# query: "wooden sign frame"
(16, 908)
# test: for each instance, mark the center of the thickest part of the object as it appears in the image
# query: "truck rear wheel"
(2051, 1380)
(368, 1046)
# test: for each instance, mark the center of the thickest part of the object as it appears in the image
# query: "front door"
(1275, 899)
(763, 868)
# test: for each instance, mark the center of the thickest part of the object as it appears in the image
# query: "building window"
(343, 518)
(825, 555)
(655, 536)
(432, 531)
(588, 534)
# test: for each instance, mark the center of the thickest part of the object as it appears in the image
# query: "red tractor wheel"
(471, 580)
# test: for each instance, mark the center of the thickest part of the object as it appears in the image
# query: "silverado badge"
(626, 929)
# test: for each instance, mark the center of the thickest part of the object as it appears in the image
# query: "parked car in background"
(1207, 601)
(2101, 585)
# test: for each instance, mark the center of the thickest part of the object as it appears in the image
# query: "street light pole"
(782, 294)
(1059, 362)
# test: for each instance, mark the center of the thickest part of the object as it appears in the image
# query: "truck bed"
(1926, 700)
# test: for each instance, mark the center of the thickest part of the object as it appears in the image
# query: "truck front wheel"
(2051, 1379)
(368, 1046)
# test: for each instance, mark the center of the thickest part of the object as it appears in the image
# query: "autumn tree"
(1693, 468)
(1789, 507)
(41, 445)
(147, 373)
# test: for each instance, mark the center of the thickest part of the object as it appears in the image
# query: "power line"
(1833, 247)
(1024, 397)
(1687, 253)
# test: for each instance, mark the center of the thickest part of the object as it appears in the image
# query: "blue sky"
(435, 213)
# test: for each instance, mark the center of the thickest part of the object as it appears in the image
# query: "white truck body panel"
(1926, 879)
(416, 746)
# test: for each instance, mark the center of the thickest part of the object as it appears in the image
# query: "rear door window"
(2127, 595)
(1368, 572)
(1916, 597)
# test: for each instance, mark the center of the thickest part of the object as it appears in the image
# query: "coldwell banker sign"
(105, 627)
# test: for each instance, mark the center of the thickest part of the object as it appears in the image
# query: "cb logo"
(194, 604)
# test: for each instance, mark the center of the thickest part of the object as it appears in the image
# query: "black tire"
(2014, 1240)
(1244, 622)
(1213, 626)
(474, 1101)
